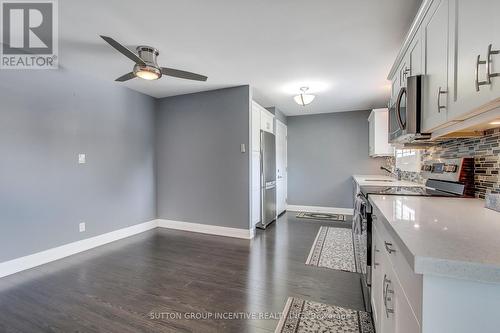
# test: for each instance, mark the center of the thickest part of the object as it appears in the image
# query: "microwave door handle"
(402, 92)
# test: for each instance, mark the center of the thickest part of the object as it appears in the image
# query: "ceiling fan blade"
(126, 77)
(123, 50)
(182, 74)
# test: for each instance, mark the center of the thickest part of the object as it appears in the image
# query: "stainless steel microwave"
(405, 114)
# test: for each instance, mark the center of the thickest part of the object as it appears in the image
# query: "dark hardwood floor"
(117, 287)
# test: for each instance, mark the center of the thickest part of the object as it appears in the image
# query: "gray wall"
(202, 176)
(324, 151)
(48, 117)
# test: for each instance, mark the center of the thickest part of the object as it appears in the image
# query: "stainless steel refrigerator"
(267, 178)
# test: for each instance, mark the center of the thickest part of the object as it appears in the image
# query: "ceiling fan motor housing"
(149, 55)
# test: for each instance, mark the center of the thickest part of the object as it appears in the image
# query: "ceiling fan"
(146, 66)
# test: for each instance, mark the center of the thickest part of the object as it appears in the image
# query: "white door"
(281, 167)
(255, 151)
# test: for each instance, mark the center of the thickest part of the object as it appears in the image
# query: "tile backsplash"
(486, 153)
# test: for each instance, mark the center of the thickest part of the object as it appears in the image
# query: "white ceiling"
(342, 49)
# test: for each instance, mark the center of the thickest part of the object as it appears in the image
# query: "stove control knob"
(451, 168)
(426, 167)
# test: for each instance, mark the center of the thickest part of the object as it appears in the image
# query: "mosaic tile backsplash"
(486, 153)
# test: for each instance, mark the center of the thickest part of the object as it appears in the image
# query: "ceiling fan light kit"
(146, 66)
(150, 71)
(303, 98)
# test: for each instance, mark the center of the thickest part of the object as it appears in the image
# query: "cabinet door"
(435, 35)
(371, 136)
(477, 24)
(267, 121)
(377, 278)
(414, 57)
(403, 319)
(255, 187)
(255, 129)
(386, 316)
(394, 90)
(403, 71)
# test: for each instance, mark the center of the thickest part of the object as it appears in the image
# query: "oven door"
(361, 232)
(397, 117)
(360, 235)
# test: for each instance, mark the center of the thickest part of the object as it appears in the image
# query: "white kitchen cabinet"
(477, 25)
(379, 134)
(255, 128)
(448, 44)
(377, 280)
(267, 121)
(392, 312)
(435, 82)
(414, 56)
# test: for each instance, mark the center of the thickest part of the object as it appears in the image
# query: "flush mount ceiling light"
(304, 99)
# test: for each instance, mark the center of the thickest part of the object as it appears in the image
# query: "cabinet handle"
(375, 251)
(401, 95)
(406, 72)
(386, 292)
(440, 92)
(479, 83)
(489, 74)
(388, 247)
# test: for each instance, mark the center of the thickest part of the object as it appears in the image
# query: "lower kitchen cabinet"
(406, 302)
(391, 308)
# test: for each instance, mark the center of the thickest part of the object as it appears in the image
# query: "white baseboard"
(207, 229)
(318, 209)
(33, 260)
(40, 258)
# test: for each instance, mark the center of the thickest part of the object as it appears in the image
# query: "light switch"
(82, 159)
(243, 149)
(81, 227)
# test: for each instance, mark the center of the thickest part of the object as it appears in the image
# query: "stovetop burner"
(405, 190)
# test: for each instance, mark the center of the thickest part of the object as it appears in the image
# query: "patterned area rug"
(333, 248)
(321, 216)
(300, 316)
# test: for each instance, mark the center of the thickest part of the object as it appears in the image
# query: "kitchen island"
(437, 265)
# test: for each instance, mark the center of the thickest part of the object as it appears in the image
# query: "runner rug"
(333, 248)
(300, 316)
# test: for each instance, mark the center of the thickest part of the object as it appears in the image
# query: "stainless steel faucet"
(396, 173)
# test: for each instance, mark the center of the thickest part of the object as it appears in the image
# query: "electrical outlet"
(82, 158)
(81, 226)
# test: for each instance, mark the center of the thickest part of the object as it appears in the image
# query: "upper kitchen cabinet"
(434, 32)
(267, 121)
(477, 26)
(379, 134)
(455, 45)
(410, 64)
(414, 57)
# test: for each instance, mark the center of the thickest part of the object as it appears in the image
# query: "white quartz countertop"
(453, 237)
(378, 180)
